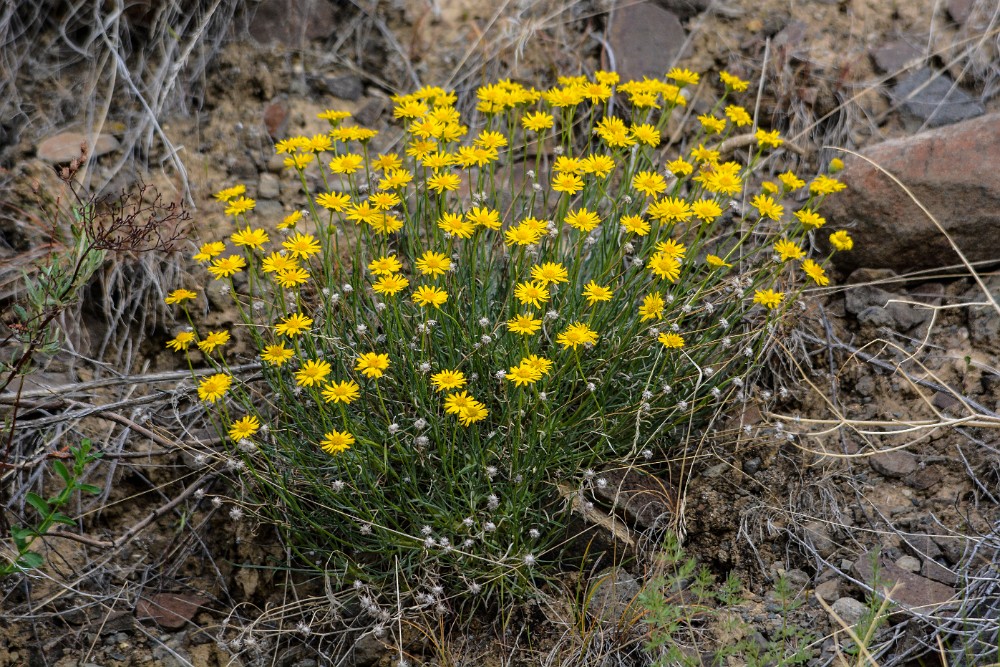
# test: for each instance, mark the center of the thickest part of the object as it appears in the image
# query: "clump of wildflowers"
(448, 329)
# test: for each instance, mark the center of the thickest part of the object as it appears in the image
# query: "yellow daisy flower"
(683, 77)
(652, 307)
(230, 193)
(429, 295)
(385, 265)
(810, 219)
(180, 296)
(583, 220)
(523, 375)
(767, 207)
(293, 325)
(181, 341)
(447, 380)
(213, 340)
(293, 277)
(484, 217)
(276, 354)
(549, 273)
(301, 245)
(433, 263)
(568, 183)
(524, 324)
(706, 210)
(372, 364)
(649, 183)
(716, 262)
(244, 428)
(768, 298)
(336, 442)
(788, 250)
(250, 238)
(665, 266)
(390, 285)
(441, 182)
(224, 267)
(841, 240)
(344, 392)
(671, 340)
(767, 139)
(277, 262)
(313, 371)
(575, 334)
(816, 272)
(290, 220)
(635, 224)
(594, 293)
(240, 206)
(214, 387)
(531, 292)
(209, 250)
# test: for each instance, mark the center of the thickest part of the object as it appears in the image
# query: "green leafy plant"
(49, 511)
(448, 336)
(84, 231)
(683, 601)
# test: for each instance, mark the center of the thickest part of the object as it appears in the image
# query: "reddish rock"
(960, 11)
(65, 147)
(910, 591)
(170, 611)
(897, 56)
(293, 22)
(894, 464)
(645, 40)
(276, 118)
(954, 171)
(934, 570)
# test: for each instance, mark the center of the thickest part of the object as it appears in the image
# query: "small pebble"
(909, 563)
(849, 610)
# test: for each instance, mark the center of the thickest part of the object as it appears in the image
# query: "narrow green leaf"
(19, 533)
(30, 560)
(89, 488)
(61, 470)
(59, 517)
(38, 503)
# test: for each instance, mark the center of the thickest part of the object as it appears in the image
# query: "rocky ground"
(874, 431)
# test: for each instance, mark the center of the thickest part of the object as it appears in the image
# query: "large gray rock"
(954, 171)
(645, 39)
(935, 99)
(874, 305)
(613, 596)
